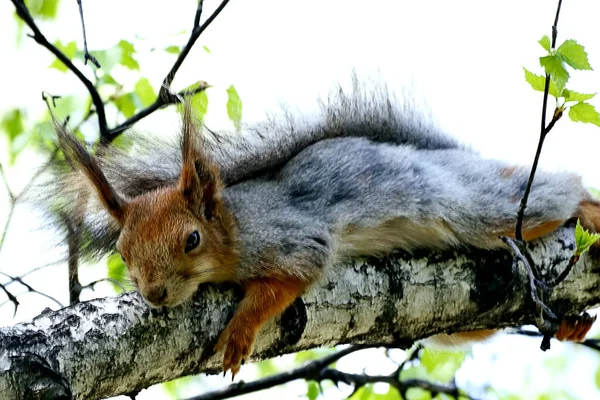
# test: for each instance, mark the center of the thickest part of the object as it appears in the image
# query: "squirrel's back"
(357, 197)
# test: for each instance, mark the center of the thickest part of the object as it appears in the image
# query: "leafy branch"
(555, 63)
(165, 96)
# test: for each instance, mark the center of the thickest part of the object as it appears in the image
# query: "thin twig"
(92, 284)
(161, 101)
(31, 289)
(24, 14)
(543, 132)
(196, 32)
(318, 371)
(533, 282)
(11, 298)
(309, 370)
(165, 97)
(563, 275)
(12, 200)
(86, 54)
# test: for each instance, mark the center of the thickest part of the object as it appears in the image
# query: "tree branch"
(164, 98)
(118, 345)
(24, 14)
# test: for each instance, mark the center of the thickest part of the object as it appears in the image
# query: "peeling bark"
(113, 346)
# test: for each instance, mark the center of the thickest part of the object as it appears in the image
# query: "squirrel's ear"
(199, 180)
(79, 158)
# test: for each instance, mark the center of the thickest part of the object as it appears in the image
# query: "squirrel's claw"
(236, 342)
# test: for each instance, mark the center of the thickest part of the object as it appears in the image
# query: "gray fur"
(338, 183)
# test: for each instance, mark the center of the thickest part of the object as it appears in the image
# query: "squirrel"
(271, 210)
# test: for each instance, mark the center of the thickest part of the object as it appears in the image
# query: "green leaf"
(312, 391)
(145, 92)
(206, 49)
(18, 144)
(109, 58)
(570, 95)
(45, 136)
(538, 83)
(127, 59)
(117, 270)
(418, 394)
(12, 124)
(43, 9)
(67, 106)
(173, 388)
(313, 354)
(69, 50)
(442, 364)
(107, 79)
(173, 50)
(266, 368)
(597, 379)
(200, 104)
(584, 112)
(594, 192)
(367, 393)
(584, 239)
(574, 54)
(554, 67)
(545, 42)
(126, 104)
(234, 107)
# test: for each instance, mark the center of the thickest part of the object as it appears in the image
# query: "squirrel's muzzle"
(155, 295)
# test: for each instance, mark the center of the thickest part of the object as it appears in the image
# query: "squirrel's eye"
(192, 241)
(123, 259)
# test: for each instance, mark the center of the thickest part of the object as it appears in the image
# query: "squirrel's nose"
(156, 295)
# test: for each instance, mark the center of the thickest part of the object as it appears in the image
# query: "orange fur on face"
(153, 239)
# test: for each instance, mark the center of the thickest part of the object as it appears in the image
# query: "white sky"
(466, 56)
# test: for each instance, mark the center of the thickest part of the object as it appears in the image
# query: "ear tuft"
(199, 182)
(81, 159)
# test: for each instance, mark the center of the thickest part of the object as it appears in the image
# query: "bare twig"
(319, 370)
(92, 284)
(24, 14)
(30, 288)
(534, 283)
(161, 101)
(12, 298)
(87, 56)
(308, 371)
(563, 275)
(196, 32)
(11, 206)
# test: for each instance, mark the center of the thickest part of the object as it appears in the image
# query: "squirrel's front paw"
(237, 342)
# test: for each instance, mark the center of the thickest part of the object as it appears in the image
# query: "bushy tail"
(372, 112)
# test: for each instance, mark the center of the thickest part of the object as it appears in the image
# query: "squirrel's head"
(175, 237)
